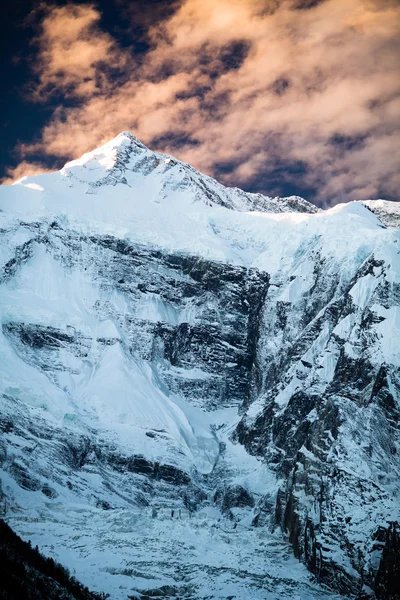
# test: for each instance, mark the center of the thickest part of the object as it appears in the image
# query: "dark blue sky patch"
(347, 142)
(283, 178)
(280, 86)
(234, 54)
(384, 193)
(214, 61)
(269, 7)
(199, 93)
(173, 139)
(15, 71)
(226, 168)
(279, 177)
(130, 21)
(306, 4)
(216, 104)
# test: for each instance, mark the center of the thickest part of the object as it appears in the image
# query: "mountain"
(29, 575)
(200, 386)
(388, 212)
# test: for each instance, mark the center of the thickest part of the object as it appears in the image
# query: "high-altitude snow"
(169, 344)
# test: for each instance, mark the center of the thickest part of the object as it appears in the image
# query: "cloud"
(76, 57)
(259, 93)
(24, 168)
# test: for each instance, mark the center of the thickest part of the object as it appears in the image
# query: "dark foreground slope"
(27, 574)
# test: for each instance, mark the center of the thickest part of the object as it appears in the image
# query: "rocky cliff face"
(327, 423)
(188, 367)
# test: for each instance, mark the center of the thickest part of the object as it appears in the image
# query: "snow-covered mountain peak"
(108, 154)
(113, 157)
(142, 304)
(154, 177)
(125, 159)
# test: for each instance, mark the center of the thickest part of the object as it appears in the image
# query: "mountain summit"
(157, 177)
(125, 159)
(200, 388)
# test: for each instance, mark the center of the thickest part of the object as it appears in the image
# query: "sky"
(276, 96)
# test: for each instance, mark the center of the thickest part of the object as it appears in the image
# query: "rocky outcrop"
(332, 436)
(201, 318)
(388, 575)
(234, 496)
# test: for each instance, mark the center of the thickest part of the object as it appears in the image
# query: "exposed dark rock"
(303, 436)
(167, 591)
(388, 575)
(26, 574)
(49, 491)
(77, 451)
(21, 255)
(236, 497)
(23, 477)
(154, 470)
(38, 336)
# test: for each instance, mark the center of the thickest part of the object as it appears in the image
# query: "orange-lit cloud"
(314, 83)
(24, 168)
(73, 53)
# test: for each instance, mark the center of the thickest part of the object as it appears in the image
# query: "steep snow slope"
(388, 212)
(171, 344)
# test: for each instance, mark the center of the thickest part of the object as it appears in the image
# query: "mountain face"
(388, 212)
(29, 575)
(200, 386)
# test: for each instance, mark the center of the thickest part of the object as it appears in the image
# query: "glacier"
(200, 387)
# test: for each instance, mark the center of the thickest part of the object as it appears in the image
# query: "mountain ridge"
(177, 353)
(116, 161)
